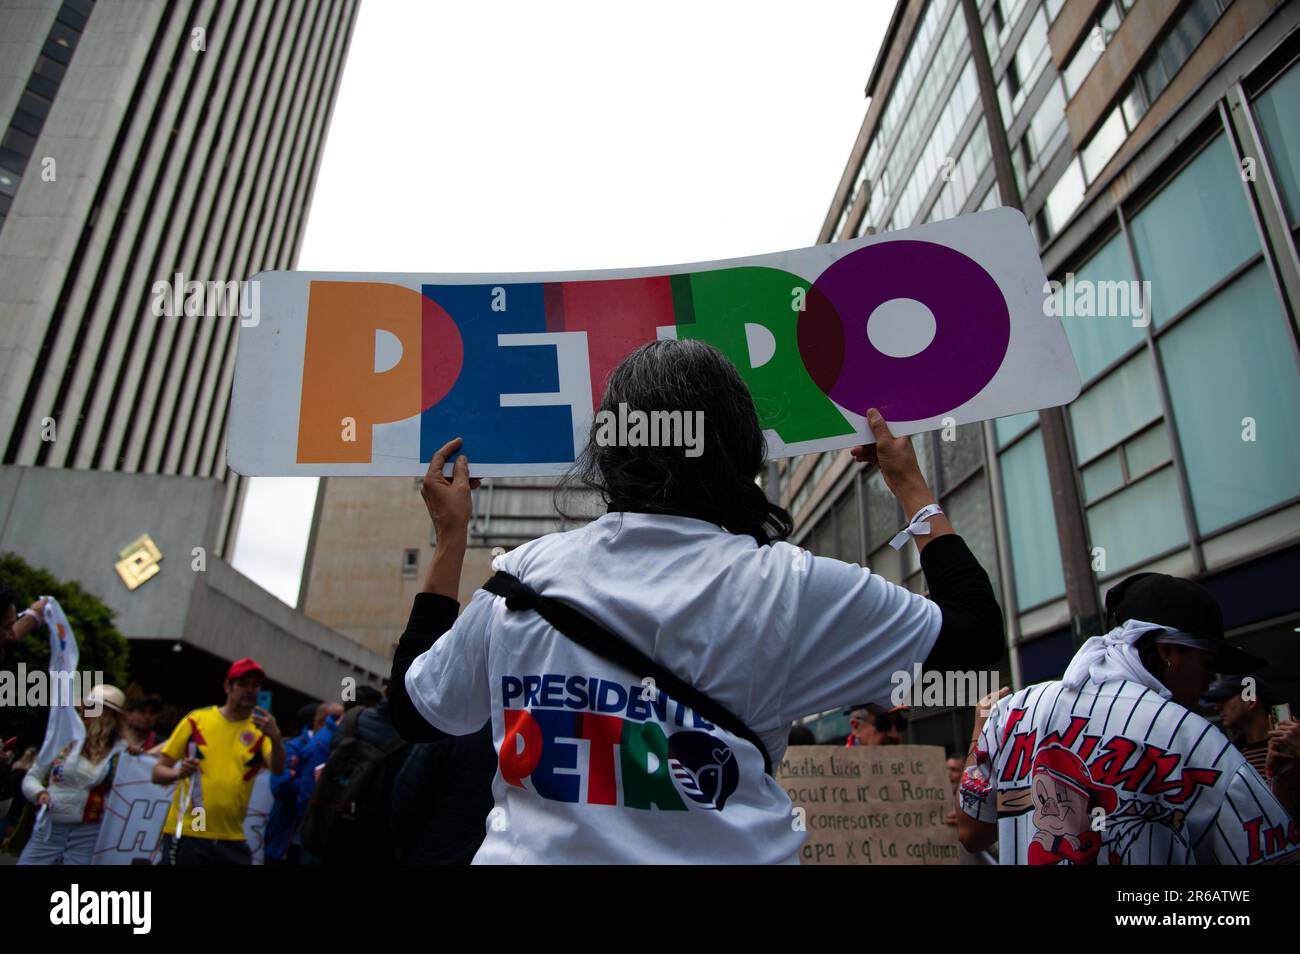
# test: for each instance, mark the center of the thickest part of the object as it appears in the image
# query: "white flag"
(134, 813)
(136, 810)
(259, 809)
(65, 723)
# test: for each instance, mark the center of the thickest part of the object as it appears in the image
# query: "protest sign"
(354, 373)
(259, 808)
(136, 810)
(876, 805)
(134, 813)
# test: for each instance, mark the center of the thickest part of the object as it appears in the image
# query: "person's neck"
(1257, 730)
(233, 714)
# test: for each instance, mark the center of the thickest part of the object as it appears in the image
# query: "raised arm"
(436, 605)
(972, 635)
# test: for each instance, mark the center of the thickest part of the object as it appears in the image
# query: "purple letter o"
(972, 329)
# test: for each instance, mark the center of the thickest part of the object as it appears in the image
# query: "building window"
(848, 526)
(1002, 15)
(899, 170)
(1232, 377)
(1008, 429)
(1103, 145)
(1098, 341)
(968, 510)
(896, 107)
(410, 564)
(1027, 495)
(962, 456)
(1118, 405)
(1066, 196)
(1042, 137)
(964, 175)
(1276, 109)
(1025, 67)
(1134, 106)
(19, 140)
(1158, 69)
(1120, 541)
(1104, 24)
(1126, 468)
(1176, 250)
(882, 510)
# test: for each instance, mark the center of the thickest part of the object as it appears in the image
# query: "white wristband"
(919, 524)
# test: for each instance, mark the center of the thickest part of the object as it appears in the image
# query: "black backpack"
(347, 820)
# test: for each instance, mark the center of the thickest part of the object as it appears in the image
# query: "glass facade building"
(1150, 150)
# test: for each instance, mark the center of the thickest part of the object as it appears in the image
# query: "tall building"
(148, 146)
(1146, 142)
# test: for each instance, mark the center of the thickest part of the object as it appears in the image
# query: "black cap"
(149, 701)
(1182, 605)
(1234, 686)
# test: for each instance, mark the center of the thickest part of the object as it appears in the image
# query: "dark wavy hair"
(717, 486)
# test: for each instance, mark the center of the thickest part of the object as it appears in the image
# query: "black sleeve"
(972, 635)
(431, 616)
(410, 802)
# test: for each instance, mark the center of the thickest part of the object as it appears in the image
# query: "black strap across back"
(595, 638)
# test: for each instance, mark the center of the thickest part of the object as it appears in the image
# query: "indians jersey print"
(1117, 774)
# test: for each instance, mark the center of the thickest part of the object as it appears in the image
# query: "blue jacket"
(284, 815)
(314, 754)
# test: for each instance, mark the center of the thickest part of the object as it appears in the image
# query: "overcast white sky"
(499, 137)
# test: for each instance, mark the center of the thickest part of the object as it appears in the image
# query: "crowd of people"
(622, 692)
(421, 804)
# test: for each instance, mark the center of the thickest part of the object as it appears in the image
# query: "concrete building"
(372, 542)
(150, 142)
(1150, 141)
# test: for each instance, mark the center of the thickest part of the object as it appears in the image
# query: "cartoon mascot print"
(1064, 795)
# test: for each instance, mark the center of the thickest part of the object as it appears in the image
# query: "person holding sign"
(640, 674)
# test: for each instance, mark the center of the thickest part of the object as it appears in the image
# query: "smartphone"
(264, 700)
(1280, 713)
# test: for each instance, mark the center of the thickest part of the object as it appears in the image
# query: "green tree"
(102, 648)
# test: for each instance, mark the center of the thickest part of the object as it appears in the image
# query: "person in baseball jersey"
(1111, 764)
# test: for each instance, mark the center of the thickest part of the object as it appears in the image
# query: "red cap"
(1062, 765)
(242, 667)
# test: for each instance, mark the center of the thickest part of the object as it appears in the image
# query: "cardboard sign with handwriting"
(883, 805)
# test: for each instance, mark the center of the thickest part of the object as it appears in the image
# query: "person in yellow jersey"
(219, 751)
